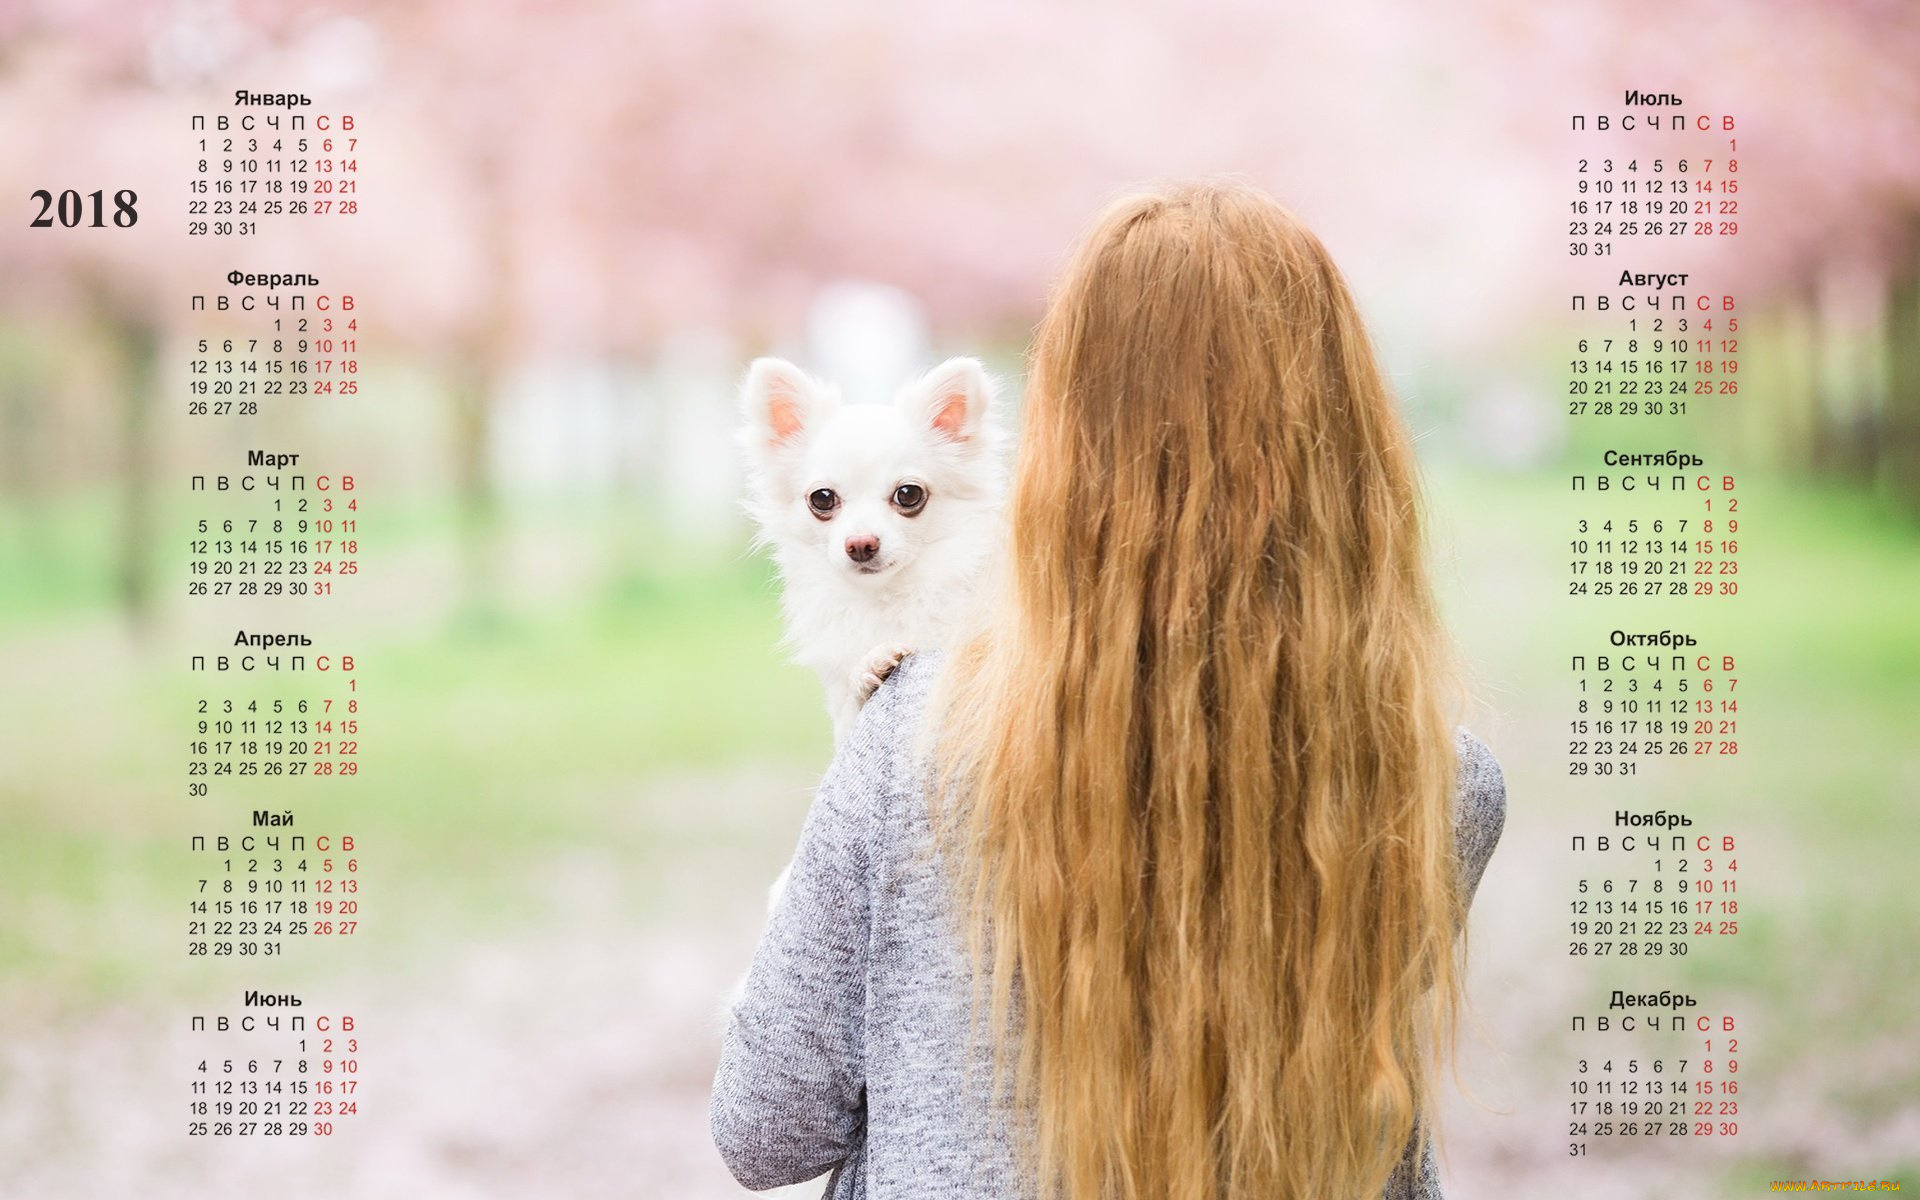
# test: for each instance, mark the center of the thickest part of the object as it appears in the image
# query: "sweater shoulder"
(884, 758)
(905, 691)
(1480, 805)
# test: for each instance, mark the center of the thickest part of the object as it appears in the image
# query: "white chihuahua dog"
(883, 518)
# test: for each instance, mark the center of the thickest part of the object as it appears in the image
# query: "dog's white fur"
(922, 587)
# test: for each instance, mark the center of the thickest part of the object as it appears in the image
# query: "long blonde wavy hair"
(1197, 778)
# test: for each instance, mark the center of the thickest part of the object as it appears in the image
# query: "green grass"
(57, 557)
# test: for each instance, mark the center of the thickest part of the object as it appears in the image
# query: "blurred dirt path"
(570, 1059)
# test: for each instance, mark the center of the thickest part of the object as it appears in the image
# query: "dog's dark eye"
(909, 498)
(822, 502)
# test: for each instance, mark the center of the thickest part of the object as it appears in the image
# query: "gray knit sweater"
(848, 1050)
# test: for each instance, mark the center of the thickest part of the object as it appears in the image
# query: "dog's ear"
(779, 401)
(951, 399)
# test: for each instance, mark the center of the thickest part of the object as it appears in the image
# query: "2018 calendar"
(484, 488)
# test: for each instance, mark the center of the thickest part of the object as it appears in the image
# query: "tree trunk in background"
(22, 466)
(1800, 408)
(476, 387)
(1898, 460)
(475, 380)
(137, 344)
(1844, 390)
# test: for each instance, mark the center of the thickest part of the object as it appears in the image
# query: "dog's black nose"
(863, 548)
